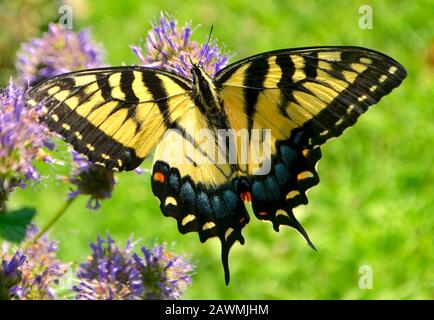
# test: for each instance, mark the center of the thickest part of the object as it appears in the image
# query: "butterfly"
(301, 97)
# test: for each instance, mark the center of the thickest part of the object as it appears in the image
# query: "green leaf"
(13, 224)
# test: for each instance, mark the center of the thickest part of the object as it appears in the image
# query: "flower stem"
(3, 200)
(50, 223)
(4, 195)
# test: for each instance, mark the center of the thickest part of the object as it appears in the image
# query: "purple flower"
(42, 255)
(165, 275)
(11, 275)
(109, 274)
(32, 272)
(22, 139)
(114, 273)
(169, 47)
(58, 51)
(93, 180)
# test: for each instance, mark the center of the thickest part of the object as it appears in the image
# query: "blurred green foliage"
(375, 203)
(20, 20)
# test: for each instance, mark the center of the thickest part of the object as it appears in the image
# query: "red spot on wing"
(246, 196)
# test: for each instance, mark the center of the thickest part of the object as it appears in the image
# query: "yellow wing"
(194, 186)
(304, 97)
(115, 116)
(320, 90)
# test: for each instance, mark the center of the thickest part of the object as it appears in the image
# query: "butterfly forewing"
(322, 90)
(115, 116)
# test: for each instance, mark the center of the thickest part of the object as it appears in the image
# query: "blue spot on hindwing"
(272, 188)
(188, 196)
(203, 204)
(258, 191)
(281, 174)
(288, 155)
(231, 199)
(220, 208)
(173, 182)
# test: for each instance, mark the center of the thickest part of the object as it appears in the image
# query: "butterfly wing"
(115, 116)
(322, 90)
(194, 187)
(305, 97)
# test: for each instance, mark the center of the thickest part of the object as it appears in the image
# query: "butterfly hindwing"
(192, 187)
(292, 173)
(115, 116)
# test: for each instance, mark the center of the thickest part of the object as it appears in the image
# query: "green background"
(374, 205)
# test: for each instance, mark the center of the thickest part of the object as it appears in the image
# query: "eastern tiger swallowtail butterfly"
(118, 115)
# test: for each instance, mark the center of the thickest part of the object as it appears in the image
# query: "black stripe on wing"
(255, 76)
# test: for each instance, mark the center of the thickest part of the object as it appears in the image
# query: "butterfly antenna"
(189, 58)
(206, 46)
(170, 57)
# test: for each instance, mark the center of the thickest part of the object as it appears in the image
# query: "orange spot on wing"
(158, 176)
(262, 213)
(246, 196)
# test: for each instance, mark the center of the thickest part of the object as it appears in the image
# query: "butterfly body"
(206, 98)
(204, 91)
(252, 133)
